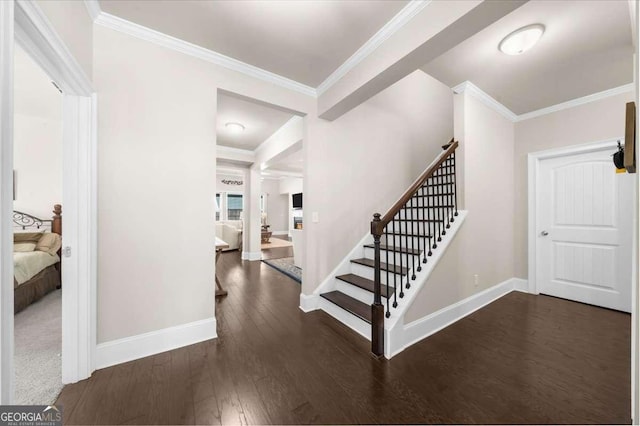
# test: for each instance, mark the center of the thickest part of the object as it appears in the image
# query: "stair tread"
(383, 266)
(364, 283)
(349, 304)
(396, 249)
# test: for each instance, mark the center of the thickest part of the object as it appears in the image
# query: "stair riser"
(366, 272)
(361, 327)
(356, 292)
(394, 257)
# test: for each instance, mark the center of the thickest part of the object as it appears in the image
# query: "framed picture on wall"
(630, 138)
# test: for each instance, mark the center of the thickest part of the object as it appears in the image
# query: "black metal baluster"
(443, 203)
(424, 226)
(455, 187)
(410, 251)
(428, 227)
(402, 233)
(386, 283)
(436, 224)
(448, 196)
(432, 213)
(441, 230)
(395, 276)
(420, 217)
(451, 185)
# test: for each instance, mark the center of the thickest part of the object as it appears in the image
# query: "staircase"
(404, 240)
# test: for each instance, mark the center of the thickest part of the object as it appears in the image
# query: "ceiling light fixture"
(521, 40)
(234, 127)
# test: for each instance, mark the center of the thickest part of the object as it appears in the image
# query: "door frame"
(534, 160)
(24, 23)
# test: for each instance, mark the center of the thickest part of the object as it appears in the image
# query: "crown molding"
(578, 101)
(118, 24)
(93, 7)
(390, 28)
(486, 99)
(127, 27)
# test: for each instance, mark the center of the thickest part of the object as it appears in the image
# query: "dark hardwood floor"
(522, 359)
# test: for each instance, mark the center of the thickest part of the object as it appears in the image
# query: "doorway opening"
(22, 24)
(37, 188)
(259, 162)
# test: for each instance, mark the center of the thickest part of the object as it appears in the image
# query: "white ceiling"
(34, 94)
(302, 40)
(260, 122)
(586, 48)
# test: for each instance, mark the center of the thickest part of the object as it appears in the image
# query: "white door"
(584, 225)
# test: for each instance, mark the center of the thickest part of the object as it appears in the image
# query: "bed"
(36, 257)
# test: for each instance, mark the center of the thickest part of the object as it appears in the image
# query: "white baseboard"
(420, 329)
(248, 255)
(308, 303)
(520, 284)
(155, 342)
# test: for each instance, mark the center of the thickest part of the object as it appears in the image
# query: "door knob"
(544, 233)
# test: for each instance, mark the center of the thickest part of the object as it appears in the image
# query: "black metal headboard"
(25, 220)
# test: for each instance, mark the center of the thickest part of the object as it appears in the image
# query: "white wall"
(156, 163)
(37, 152)
(595, 121)
(362, 162)
(484, 244)
(37, 161)
(290, 185)
(277, 206)
(157, 177)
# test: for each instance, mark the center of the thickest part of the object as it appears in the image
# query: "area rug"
(38, 344)
(276, 243)
(286, 266)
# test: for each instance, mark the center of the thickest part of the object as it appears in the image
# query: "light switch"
(314, 217)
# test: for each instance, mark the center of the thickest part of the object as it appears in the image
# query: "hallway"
(522, 359)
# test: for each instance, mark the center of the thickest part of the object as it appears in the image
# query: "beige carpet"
(38, 343)
(276, 242)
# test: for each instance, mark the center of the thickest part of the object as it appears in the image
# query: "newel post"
(377, 309)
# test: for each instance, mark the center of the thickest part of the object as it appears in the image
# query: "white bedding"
(27, 264)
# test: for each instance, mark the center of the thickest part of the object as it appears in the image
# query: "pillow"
(27, 237)
(49, 243)
(23, 247)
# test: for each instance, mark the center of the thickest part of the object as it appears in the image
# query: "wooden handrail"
(377, 227)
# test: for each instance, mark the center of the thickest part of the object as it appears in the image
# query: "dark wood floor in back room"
(522, 359)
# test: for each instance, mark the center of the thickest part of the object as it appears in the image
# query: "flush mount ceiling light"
(235, 127)
(521, 40)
